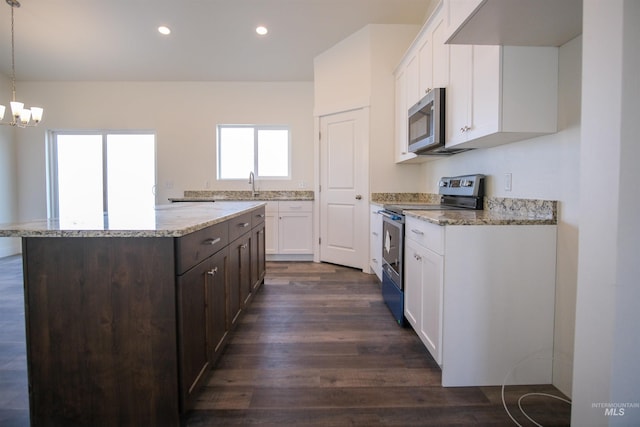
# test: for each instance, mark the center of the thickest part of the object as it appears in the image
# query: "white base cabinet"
(375, 240)
(289, 230)
(481, 299)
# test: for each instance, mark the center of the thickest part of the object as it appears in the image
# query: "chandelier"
(20, 116)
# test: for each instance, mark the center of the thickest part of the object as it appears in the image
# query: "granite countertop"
(173, 220)
(484, 217)
(210, 196)
(497, 210)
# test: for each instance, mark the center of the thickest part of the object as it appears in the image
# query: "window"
(93, 173)
(263, 150)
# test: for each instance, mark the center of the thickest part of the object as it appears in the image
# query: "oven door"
(392, 248)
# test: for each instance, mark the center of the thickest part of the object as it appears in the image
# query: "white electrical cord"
(504, 403)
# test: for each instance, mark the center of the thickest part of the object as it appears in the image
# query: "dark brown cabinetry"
(239, 284)
(218, 320)
(258, 242)
(192, 313)
(124, 330)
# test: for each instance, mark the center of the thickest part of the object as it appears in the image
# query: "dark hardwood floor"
(317, 347)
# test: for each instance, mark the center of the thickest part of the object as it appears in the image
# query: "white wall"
(184, 116)
(8, 183)
(358, 72)
(542, 168)
(607, 342)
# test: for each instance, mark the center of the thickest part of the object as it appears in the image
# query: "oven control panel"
(464, 185)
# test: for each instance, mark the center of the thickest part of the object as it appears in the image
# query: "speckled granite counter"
(164, 221)
(210, 196)
(497, 210)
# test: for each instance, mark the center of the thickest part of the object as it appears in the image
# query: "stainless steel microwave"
(426, 122)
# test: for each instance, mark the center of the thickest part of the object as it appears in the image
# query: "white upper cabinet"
(500, 94)
(494, 94)
(416, 75)
(401, 120)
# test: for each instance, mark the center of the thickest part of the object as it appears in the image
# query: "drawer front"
(431, 236)
(199, 245)
(296, 206)
(257, 216)
(239, 225)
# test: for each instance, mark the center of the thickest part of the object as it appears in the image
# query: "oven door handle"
(389, 215)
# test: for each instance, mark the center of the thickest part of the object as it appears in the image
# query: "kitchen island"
(126, 316)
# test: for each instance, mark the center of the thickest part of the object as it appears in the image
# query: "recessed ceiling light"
(164, 30)
(262, 30)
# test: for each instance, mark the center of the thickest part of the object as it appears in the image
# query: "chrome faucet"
(252, 181)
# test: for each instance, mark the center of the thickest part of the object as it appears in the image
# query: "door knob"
(358, 197)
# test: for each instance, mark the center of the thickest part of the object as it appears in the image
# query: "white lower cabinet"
(289, 230)
(375, 240)
(481, 299)
(271, 222)
(423, 289)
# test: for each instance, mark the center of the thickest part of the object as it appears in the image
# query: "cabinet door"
(412, 72)
(296, 233)
(258, 267)
(458, 94)
(402, 153)
(375, 240)
(440, 53)
(192, 330)
(239, 276)
(271, 228)
(432, 289)
(218, 320)
(244, 249)
(425, 56)
(413, 285)
(485, 91)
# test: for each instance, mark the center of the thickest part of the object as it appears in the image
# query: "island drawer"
(239, 225)
(257, 216)
(199, 245)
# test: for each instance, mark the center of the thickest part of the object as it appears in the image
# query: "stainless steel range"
(459, 192)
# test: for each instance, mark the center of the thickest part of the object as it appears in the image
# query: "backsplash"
(405, 198)
(532, 208)
(246, 195)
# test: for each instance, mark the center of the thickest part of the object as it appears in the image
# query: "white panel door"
(343, 189)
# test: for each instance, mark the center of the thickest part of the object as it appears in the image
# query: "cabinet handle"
(374, 260)
(213, 271)
(374, 233)
(359, 197)
(465, 129)
(416, 231)
(243, 225)
(417, 257)
(244, 246)
(212, 241)
(427, 90)
(260, 215)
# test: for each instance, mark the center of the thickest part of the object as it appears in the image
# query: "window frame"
(53, 208)
(256, 171)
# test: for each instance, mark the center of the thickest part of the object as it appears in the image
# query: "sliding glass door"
(94, 173)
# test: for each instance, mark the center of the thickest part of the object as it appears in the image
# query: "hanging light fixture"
(20, 116)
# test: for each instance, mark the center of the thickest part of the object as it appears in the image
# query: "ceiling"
(211, 40)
